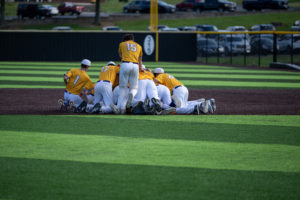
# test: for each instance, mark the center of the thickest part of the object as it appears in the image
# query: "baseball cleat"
(95, 109)
(71, 106)
(81, 108)
(200, 100)
(213, 104)
(114, 109)
(168, 111)
(137, 106)
(176, 101)
(146, 105)
(197, 109)
(129, 101)
(63, 107)
(204, 107)
(156, 104)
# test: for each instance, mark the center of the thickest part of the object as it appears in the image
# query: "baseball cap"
(111, 63)
(86, 62)
(159, 70)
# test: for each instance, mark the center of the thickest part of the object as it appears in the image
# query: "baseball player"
(147, 89)
(103, 88)
(179, 92)
(76, 80)
(131, 56)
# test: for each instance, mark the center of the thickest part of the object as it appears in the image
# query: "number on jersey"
(131, 47)
(104, 69)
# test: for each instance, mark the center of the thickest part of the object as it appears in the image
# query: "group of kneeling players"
(158, 93)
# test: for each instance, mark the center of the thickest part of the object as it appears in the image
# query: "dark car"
(32, 11)
(67, 7)
(200, 5)
(142, 6)
(262, 45)
(209, 47)
(263, 4)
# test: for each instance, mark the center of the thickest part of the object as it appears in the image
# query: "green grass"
(57, 157)
(175, 157)
(222, 22)
(48, 75)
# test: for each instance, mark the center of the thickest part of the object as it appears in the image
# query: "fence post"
(274, 47)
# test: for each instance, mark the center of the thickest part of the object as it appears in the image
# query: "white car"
(111, 28)
(236, 28)
(169, 29)
(236, 44)
(53, 10)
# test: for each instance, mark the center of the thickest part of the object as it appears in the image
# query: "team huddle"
(129, 88)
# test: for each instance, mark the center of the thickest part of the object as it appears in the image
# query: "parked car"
(159, 27)
(286, 44)
(67, 7)
(236, 44)
(200, 5)
(53, 10)
(206, 27)
(296, 26)
(263, 4)
(32, 11)
(262, 45)
(236, 28)
(169, 29)
(111, 28)
(143, 6)
(263, 27)
(187, 28)
(62, 28)
(209, 47)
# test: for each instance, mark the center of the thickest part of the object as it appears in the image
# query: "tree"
(2, 12)
(97, 12)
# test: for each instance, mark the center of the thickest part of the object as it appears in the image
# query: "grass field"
(212, 157)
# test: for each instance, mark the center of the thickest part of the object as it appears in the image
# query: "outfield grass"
(185, 157)
(48, 75)
(213, 157)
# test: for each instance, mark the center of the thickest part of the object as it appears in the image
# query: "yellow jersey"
(130, 51)
(78, 79)
(109, 73)
(146, 75)
(168, 80)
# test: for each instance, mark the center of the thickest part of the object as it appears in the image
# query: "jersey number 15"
(131, 47)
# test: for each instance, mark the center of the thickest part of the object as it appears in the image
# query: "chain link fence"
(255, 48)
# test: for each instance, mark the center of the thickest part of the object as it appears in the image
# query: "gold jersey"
(130, 51)
(78, 79)
(146, 75)
(109, 73)
(168, 80)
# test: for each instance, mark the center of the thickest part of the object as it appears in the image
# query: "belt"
(177, 86)
(130, 62)
(103, 81)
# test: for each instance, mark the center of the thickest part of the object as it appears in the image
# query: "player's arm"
(66, 78)
(156, 81)
(140, 64)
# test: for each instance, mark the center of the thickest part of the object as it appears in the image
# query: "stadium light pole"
(154, 24)
(97, 13)
(2, 12)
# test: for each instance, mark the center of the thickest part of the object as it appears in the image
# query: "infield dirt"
(229, 101)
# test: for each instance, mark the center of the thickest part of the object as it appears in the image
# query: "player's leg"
(133, 83)
(180, 94)
(164, 95)
(107, 98)
(124, 77)
(141, 92)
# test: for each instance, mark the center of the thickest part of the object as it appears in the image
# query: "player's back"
(146, 75)
(109, 73)
(131, 51)
(78, 79)
(168, 80)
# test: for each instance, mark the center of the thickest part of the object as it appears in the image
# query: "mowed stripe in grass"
(190, 75)
(218, 149)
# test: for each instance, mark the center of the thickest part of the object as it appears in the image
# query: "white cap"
(158, 71)
(143, 67)
(111, 63)
(86, 62)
